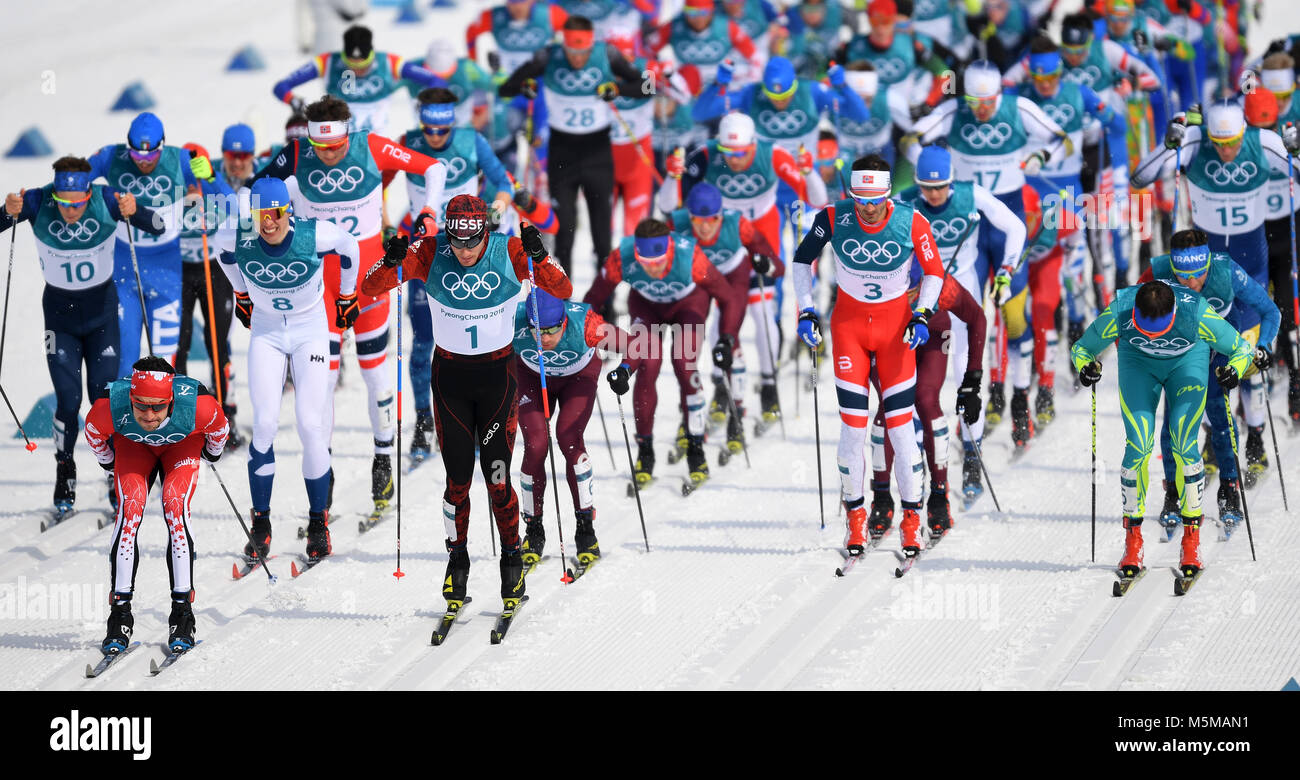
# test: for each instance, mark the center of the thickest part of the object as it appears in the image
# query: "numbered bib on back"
(473, 308)
(75, 255)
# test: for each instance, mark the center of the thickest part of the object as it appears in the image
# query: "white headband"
(863, 82)
(1278, 81)
(870, 184)
(331, 130)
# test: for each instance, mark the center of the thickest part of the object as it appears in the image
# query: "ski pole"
(399, 573)
(796, 382)
(1236, 461)
(636, 486)
(265, 566)
(817, 434)
(546, 407)
(218, 369)
(1178, 185)
(31, 445)
(9, 279)
(139, 289)
(636, 144)
(735, 412)
(610, 447)
(1281, 476)
(1295, 283)
(772, 355)
(1094, 473)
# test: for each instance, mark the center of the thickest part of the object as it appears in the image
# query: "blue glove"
(836, 75)
(810, 328)
(724, 72)
(918, 331)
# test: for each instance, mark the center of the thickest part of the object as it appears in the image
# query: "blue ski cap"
(778, 78)
(145, 133)
(270, 193)
(238, 138)
(545, 311)
(934, 167)
(704, 201)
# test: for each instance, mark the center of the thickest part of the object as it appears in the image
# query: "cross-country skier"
(1163, 335)
(75, 224)
(276, 266)
(474, 279)
(701, 37)
(874, 239)
(155, 423)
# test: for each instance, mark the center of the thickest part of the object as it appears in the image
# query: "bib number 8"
(281, 304)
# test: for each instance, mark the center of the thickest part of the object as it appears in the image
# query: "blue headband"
(1044, 64)
(71, 181)
(438, 114)
(1155, 326)
(652, 247)
(1192, 261)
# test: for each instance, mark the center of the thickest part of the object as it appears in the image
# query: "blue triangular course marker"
(39, 423)
(443, 4)
(246, 58)
(410, 14)
(1291, 685)
(133, 98)
(31, 143)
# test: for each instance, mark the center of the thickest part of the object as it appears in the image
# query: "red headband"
(151, 384)
(579, 39)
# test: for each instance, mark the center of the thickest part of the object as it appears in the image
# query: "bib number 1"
(472, 330)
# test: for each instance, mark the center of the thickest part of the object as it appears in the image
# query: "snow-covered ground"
(737, 591)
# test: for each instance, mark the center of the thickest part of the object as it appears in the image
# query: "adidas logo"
(523, 399)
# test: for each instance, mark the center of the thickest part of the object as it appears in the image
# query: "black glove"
(395, 251)
(525, 200)
(1275, 46)
(968, 396)
(209, 457)
(722, 351)
(529, 89)
(494, 61)
(1184, 5)
(1164, 44)
(108, 466)
(618, 379)
(607, 92)
(762, 264)
(346, 311)
(531, 238)
(1291, 139)
(423, 225)
(1090, 374)
(1227, 376)
(919, 111)
(1263, 359)
(244, 309)
(1140, 39)
(1174, 133)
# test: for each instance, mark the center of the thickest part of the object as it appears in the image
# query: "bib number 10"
(81, 272)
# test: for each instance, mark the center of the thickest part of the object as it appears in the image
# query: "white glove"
(1034, 163)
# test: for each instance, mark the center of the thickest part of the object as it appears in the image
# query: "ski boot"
(971, 485)
(180, 624)
(512, 575)
(1171, 513)
(696, 464)
(855, 541)
(420, 448)
(719, 405)
(260, 545)
(679, 445)
(1045, 406)
(318, 535)
(1189, 563)
(534, 539)
(735, 438)
(882, 514)
(938, 516)
(65, 485)
(996, 406)
(910, 529)
(1131, 564)
(120, 625)
(1229, 500)
(645, 462)
(381, 481)
(770, 405)
(1022, 427)
(1256, 457)
(584, 538)
(235, 439)
(453, 585)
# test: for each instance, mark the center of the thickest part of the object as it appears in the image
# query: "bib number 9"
(1274, 203)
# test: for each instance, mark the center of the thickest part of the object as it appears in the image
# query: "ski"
(171, 657)
(109, 660)
(381, 510)
(106, 518)
(448, 620)
(247, 566)
(530, 566)
(908, 561)
(852, 560)
(970, 494)
(691, 484)
(55, 516)
(578, 568)
(1124, 582)
(512, 607)
(417, 461)
(1183, 583)
(632, 488)
(308, 565)
(726, 453)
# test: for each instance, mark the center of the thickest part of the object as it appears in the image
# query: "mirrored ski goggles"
(466, 243)
(274, 211)
(551, 331)
(738, 151)
(158, 407)
(72, 204)
(1077, 49)
(986, 102)
(145, 156)
(438, 130)
(360, 64)
(696, 12)
(1230, 140)
(238, 156)
(862, 200)
(329, 146)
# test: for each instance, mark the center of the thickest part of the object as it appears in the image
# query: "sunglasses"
(72, 204)
(697, 11)
(932, 187)
(358, 64)
(1077, 49)
(435, 130)
(973, 101)
(159, 407)
(277, 211)
(861, 201)
(551, 331)
(238, 156)
(729, 152)
(148, 156)
(1227, 141)
(465, 243)
(1189, 277)
(1049, 75)
(329, 146)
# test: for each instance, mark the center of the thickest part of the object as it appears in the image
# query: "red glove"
(675, 165)
(804, 160)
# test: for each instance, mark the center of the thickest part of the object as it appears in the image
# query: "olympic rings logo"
(707, 50)
(717, 256)
(1230, 173)
(741, 185)
(455, 168)
(471, 285)
(362, 88)
(65, 233)
(927, 9)
(783, 122)
(1178, 344)
(1060, 113)
(554, 359)
(155, 439)
(573, 81)
(144, 186)
(336, 180)
(270, 273)
(891, 69)
(870, 252)
(592, 11)
(948, 231)
(660, 289)
(522, 38)
(986, 136)
(866, 129)
(1219, 305)
(1086, 75)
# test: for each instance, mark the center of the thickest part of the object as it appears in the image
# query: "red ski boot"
(1131, 563)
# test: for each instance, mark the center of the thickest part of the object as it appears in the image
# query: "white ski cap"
(1225, 120)
(982, 79)
(441, 57)
(863, 82)
(736, 130)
